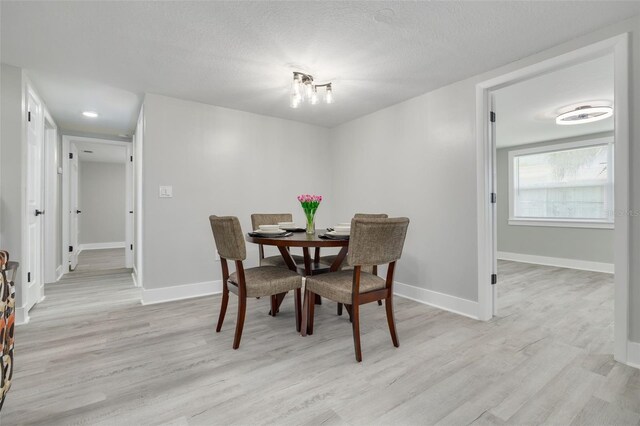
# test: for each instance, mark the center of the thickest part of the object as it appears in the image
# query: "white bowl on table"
(342, 229)
(287, 225)
(268, 227)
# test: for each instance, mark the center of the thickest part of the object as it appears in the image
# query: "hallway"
(100, 260)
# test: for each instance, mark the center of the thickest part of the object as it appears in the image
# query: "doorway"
(617, 47)
(97, 197)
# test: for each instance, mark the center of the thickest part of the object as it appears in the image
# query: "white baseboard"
(454, 304)
(633, 354)
(99, 246)
(179, 292)
(59, 273)
(559, 262)
(22, 316)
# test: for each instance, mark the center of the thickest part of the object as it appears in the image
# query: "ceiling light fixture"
(584, 114)
(90, 114)
(303, 88)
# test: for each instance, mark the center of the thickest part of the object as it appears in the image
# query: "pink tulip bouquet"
(310, 204)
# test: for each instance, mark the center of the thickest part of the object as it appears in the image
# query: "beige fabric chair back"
(370, 216)
(228, 236)
(258, 219)
(376, 241)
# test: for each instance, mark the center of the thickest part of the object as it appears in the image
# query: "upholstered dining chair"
(371, 269)
(252, 282)
(372, 242)
(258, 219)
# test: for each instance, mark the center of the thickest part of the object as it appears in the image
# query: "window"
(562, 185)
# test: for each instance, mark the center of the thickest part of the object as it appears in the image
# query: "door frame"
(129, 237)
(51, 272)
(26, 305)
(618, 46)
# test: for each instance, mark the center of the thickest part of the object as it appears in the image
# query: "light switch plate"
(166, 191)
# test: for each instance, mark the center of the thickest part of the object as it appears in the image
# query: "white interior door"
(74, 207)
(35, 200)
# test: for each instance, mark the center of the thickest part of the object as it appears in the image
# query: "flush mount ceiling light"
(90, 114)
(584, 114)
(303, 88)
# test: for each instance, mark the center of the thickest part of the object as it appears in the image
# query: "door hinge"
(494, 279)
(131, 246)
(71, 156)
(28, 277)
(70, 249)
(492, 117)
(494, 198)
(131, 158)
(28, 115)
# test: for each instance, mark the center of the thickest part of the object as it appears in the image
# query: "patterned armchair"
(7, 322)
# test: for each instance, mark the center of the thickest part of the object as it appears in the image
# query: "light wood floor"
(100, 260)
(93, 355)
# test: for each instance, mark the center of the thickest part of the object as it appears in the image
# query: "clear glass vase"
(311, 225)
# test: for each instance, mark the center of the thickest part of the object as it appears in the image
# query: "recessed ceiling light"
(90, 114)
(584, 114)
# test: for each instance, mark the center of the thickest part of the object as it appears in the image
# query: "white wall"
(587, 244)
(224, 162)
(11, 127)
(102, 200)
(418, 159)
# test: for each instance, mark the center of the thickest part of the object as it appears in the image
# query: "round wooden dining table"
(312, 265)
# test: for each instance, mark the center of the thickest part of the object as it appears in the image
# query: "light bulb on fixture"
(295, 86)
(308, 88)
(314, 97)
(295, 100)
(328, 97)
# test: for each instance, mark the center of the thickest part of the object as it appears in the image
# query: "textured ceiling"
(241, 54)
(527, 111)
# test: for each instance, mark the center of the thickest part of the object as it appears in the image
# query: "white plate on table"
(338, 233)
(270, 231)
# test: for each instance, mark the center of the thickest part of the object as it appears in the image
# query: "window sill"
(562, 223)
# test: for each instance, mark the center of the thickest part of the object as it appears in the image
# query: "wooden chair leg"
(348, 308)
(355, 315)
(391, 321)
(223, 307)
(339, 309)
(379, 302)
(305, 313)
(274, 305)
(298, 308)
(242, 308)
(312, 304)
